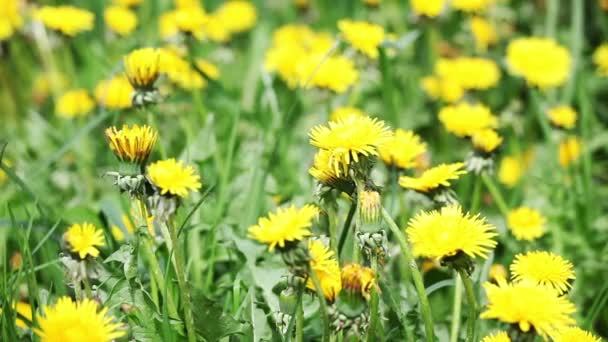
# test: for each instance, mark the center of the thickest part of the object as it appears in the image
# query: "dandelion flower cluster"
(444, 233)
(71, 321)
(120, 19)
(74, 103)
(569, 151)
(132, 144)
(142, 67)
(433, 178)
(544, 268)
(403, 150)
(364, 36)
(68, 20)
(541, 61)
(173, 178)
(114, 93)
(562, 116)
(325, 266)
(526, 223)
(464, 119)
(84, 238)
(287, 225)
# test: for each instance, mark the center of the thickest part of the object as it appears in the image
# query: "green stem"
(472, 303)
(78, 290)
(425, 307)
(184, 289)
(373, 322)
(322, 304)
(552, 12)
(498, 199)
(300, 322)
(576, 44)
(476, 196)
(387, 87)
(157, 275)
(346, 227)
(87, 287)
(333, 226)
(457, 306)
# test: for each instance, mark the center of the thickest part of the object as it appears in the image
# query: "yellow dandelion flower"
(600, 59)
(497, 271)
(286, 225)
(336, 73)
(443, 233)
(179, 71)
(529, 306)
(173, 178)
(180, 4)
(483, 32)
(526, 223)
(429, 8)
(544, 268)
(208, 69)
(350, 139)
(325, 265)
(188, 20)
(575, 334)
(70, 321)
(322, 170)
(464, 119)
(114, 93)
(470, 72)
(403, 150)
(132, 144)
(540, 61)
(562, 116)
(120, 19)
(486, 140)
(341, 113)
(237, 15)
(3, 175)
(471, 5)
(446, 89)
(500, 336)
(569, 151)
(68, 20)
(142, 67)
(510, 171)
(23, 309)
(83, 238)
(127, 3)
(74, 103)
(10, 18)
(358, 279)
(433, 178)
(363, 36)
(135, 218)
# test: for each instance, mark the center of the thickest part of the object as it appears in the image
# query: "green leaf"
(126, 256)
(211, 322)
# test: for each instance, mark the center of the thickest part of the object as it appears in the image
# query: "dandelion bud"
(132, 144)
(369, 206)
(288, 300)
(142, 67)
(358, 279)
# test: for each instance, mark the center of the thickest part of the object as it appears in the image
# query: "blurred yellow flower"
(24, 309)
(336, 73)
(10, 18)
(363, 36)
(190, 20)
(403, 150)
(500, 336)
(74, 103)
(562, 116)
(287, 225)
(574, 334)
(544, 268)
(68, 20)
(371, 3)
(600, 59)
(526, 223)
(71, 321)
(325, 265)
(3, 176)
(484, 33)
(127, 3)
(497, 271)
(541, 61)
(464, 119)
(350, 139)
(433, 178)
(469, 72)
(132, 144)
(341, 113)
(137, 212)
(569, 151)
(322, 169)
(471, 5)
(486, 140)
(446, 89)
(510, 171)
(445, 232)
(142, 67)
(358, 279)
(83, 239)
(429, 8)
(528, 305)
(114, 93)
(173, 178)
(237, 15)
(208, 69)
(120, 19)
(46, 82)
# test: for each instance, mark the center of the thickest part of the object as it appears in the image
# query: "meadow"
(306, 170)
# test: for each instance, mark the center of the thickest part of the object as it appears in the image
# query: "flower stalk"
(322, 305)
(472, 303)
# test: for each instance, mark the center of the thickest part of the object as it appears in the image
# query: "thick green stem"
(332, 219)
(78, 291)
(322, 305)
(87, 287)
(300, 322)
(552, 12)
(498, 199)
(184, 289)
(387, 87)
(346, 227)
(472, 303)
(373, 308)
(476, 196)
(157, 275)
(456, 307)
(425, 307)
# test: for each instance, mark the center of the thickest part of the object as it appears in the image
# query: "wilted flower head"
(464, 119)
(433, 178)
(68, 20)
(365, 37)
(71, 321)
(544, 268)
(74, 103)
(142, 67)
(529, 306)
(403, 150)
(358, 279)
(569, 151)
(114, 93)
(172, 178)
(444, 233)
(120, 19)
(526, 223)
(325, 265)
(132, 144)
(83, 239)
(287, 225)
(541, 61)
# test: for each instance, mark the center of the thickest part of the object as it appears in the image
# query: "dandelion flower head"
(286, 225)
